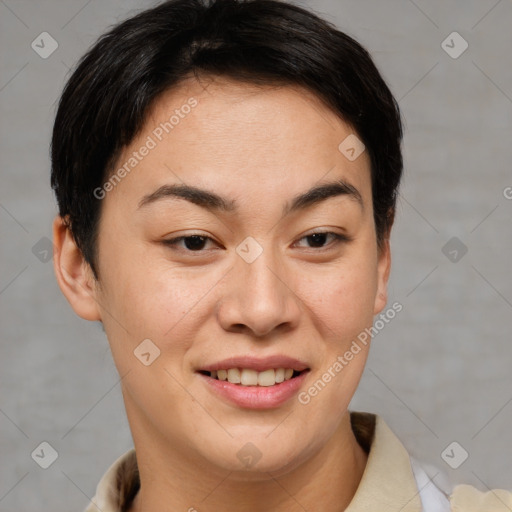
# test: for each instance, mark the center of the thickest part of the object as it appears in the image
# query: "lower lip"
(256, 397)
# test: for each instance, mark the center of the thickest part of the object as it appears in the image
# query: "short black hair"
(267, 42)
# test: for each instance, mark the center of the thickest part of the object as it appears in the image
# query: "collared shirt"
(392, 481)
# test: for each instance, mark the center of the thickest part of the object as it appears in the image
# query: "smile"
(249, 377)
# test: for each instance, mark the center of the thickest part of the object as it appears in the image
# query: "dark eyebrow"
(322, 192)
(213, 202)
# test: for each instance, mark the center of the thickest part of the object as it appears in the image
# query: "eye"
(193, 243)
(318, 238)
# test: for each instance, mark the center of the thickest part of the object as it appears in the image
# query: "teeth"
(247, 377)
(234, 375)
(267, 378)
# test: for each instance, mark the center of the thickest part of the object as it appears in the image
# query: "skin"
(260, 146)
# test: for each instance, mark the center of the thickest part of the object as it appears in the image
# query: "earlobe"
(73, 274)
(383, 271)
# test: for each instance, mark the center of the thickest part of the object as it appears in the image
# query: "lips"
(255, 396)
(256, 364)
(255, 383)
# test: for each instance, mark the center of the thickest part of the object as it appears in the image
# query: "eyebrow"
(215, 203)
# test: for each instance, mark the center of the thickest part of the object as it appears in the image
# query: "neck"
(170, 477)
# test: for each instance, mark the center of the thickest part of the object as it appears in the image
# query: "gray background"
(438, 373)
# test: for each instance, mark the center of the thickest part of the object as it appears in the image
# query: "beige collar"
(388, 480)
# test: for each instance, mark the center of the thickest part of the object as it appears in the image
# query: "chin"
(252, 457)
(261, 471)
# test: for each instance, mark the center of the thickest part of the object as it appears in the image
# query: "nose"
(259, 298)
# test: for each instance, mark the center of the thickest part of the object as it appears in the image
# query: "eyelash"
(338, 239)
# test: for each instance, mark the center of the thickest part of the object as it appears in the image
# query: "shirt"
(393, 481)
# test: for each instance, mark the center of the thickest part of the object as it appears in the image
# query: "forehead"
(244, 117)
(241, 140)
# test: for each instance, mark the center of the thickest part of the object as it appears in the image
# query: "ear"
(73, 273)
(383, 270)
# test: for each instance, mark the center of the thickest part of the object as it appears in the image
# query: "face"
(246, 277)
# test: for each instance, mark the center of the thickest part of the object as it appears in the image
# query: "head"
(270, 140)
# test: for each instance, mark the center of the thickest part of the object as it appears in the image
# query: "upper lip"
(257, 364)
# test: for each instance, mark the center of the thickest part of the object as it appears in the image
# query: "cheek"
(155, 302)
(343, 296)
(342, 303)
(344, 307)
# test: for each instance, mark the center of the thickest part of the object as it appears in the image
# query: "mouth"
(251, 389)
(250, 377)
(255, 382)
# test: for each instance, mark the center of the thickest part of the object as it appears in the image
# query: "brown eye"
(317, 240)
(192, 243)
